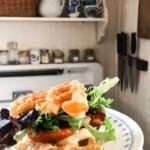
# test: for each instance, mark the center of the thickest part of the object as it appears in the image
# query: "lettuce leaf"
(45, 121)
(20, 135)
(96, 100)
(95, 94)
(101, 137)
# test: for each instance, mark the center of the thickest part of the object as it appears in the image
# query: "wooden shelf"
(100, 23)
(48, 19)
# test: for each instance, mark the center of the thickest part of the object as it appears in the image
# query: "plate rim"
(123, 117)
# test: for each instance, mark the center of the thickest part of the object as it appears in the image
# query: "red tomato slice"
(50, 136)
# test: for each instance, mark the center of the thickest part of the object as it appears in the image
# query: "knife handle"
(119, 44)
(124, 43)
(133, 43)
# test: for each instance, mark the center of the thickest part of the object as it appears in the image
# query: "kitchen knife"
(120, 59)
(125, 58)
(133, 70)
(122, 62)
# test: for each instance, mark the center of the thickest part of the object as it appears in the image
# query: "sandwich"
(68, 116)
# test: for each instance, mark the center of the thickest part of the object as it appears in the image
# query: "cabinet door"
(144, 19)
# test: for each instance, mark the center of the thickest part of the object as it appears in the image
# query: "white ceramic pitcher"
(51, 8)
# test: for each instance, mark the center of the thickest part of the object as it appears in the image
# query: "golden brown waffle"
(54, 99)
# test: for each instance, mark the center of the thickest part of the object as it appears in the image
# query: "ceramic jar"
(73, 8)
(93, 8)
(35, 56)
(51, 8)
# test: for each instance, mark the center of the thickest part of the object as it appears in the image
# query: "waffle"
(69, 97)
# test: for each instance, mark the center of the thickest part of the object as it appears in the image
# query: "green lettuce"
(101, 137)
(95, 94)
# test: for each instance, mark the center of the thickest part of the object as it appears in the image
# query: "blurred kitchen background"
(81, 35)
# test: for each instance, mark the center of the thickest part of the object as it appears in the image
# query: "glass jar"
(3, 57)
(74, 56)
(13, 52)
(44, 53)
(24, 57)
(57, 56)
(89, 55)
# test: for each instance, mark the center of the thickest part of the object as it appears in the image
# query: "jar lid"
(57, 53)
(44, 49)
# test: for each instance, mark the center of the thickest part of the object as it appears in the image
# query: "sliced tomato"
(50, 136)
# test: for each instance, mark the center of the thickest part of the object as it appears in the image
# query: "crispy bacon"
(96, 116)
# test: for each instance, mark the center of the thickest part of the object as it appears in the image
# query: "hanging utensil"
(125, 57)
(122, 60)
(119, 57)
(132, 63)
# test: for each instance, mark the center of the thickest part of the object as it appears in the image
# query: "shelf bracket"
(100, 27)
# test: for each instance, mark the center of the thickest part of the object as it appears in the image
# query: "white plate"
(129, 135)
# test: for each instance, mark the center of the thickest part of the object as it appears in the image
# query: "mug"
(73, 8)
(93, 11)
(35, 56)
